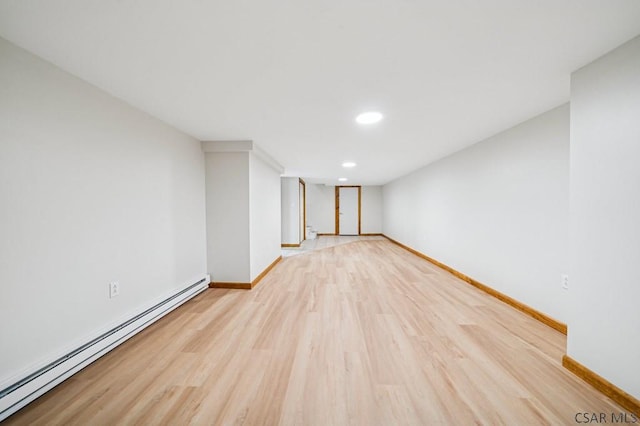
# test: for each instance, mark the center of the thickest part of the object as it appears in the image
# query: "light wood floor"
(363, 333)
(326, 241)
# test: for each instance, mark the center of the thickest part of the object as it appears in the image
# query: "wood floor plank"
(362, 333)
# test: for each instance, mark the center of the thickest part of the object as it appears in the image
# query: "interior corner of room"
(95, 192)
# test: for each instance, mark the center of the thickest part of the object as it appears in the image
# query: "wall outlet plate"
(114, 289)
(565, 281)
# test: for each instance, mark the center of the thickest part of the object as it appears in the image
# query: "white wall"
(91, 191)
(243, 210)
(265, 215)
(604, 319)
(227, 187)
(496, 211)
(321, 213)
(290, 208)
(371, 210)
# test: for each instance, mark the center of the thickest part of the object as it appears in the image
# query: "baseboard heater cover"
(27, 389)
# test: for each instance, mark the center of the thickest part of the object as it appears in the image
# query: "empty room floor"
(325, 241)
(363, 333)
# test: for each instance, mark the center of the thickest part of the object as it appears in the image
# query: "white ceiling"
(291, 74)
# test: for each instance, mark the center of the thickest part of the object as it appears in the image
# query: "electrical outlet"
(114, 289)
(565, 281)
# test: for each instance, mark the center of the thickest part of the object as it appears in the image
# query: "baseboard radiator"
(17, 395)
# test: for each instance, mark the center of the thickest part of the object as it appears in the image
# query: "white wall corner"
(227, 146)
(268, 159)
(242, 146)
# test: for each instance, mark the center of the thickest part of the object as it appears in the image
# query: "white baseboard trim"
(23, 391)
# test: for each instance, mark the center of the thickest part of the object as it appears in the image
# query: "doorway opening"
(302, 194)
(348, 206)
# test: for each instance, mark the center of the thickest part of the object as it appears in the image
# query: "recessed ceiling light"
(369, 117)
(348, 164)
(342, 179)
